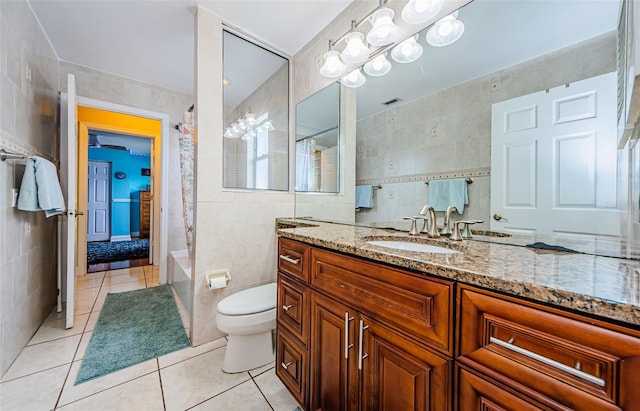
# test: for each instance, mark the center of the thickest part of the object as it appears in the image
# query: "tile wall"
(28, 116)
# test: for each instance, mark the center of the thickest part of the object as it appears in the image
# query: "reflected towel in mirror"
(364, 196)
(443, 193)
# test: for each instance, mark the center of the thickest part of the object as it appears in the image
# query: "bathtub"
(180, 276)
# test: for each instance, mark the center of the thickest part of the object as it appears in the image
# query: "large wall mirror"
(432, 119)
(256, 116)
(317, 141)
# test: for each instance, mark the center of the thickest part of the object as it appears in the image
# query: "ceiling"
(153, 40)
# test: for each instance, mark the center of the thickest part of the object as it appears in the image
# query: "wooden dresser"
(145, 213)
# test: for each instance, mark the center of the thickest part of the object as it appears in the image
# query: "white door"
(554, 161)
(68, 161)
(98, 206)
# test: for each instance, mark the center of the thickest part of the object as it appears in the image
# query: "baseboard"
(120, 238)
(135, 234)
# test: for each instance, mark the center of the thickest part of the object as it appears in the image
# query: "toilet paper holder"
(217, 279)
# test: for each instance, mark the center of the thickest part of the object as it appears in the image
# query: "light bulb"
(408, 51)
(242, 124)
(250, 118)
(333, 66)
(356, 51)
(384, 30)
(379, 66)
(354, 79)
(228, 133)
(445, 31)
(421, 11)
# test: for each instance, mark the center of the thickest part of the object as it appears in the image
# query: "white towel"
(40, 188)
(443, 193)
(364, 196)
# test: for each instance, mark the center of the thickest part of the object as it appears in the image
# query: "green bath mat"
(133, 327)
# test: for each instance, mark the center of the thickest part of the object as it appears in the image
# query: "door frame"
(160, 163)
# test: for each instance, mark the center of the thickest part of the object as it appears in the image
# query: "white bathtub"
(180, 276)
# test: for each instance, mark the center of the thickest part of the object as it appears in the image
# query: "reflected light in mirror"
(384, 30)
(354, 79)
(420, 11)
(333, 66)
(446, 31)
(356, 51)
(379, 66)
(408, 51)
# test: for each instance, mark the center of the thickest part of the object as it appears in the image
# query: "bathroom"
(246, 217)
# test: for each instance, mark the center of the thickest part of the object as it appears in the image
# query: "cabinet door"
(334, 387)
(400, 374)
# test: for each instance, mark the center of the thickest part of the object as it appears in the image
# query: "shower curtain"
(305, 165)
(187, 153)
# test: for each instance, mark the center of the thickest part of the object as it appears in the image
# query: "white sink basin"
(407, 246)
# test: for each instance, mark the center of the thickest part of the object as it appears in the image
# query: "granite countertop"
(603, 286)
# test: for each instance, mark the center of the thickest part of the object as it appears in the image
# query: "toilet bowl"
(249, 318)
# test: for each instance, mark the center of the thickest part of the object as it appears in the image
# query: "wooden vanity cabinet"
(555, 359)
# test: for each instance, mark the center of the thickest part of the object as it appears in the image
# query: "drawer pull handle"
(289, 259)
(578, 366)
(286, 366)
(347, 346)
(361, 356)
(548, 361)
(286, 307)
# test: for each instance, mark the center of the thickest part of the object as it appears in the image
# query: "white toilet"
(249, 317)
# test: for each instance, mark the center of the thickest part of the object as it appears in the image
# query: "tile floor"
(43, 375)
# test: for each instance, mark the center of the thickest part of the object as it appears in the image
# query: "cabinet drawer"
(581, 365)
(293, 258)
(293, 308)
(477, 393)
(415, 304)
(292, 365)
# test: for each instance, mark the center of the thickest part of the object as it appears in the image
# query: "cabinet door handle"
(548, 361)
(287, 307)
(289, 259)
(286, 366)
(361, 356)
(347, 346)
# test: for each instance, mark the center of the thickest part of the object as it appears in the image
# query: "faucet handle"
(414, 227)
(455, 235)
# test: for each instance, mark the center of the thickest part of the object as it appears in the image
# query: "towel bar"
(469, 181)
(7, 155)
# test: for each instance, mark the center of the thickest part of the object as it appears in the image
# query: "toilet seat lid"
(250, 301)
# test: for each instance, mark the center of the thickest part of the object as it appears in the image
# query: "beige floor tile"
(43, 356)
(71, 392)
(245, 396)
(85, 299)
(82, 347)
(93, 276)
(111, 279)
(34, 392)
(262, 369)
(185, 354)
(118, 288)
(93, 319)
(152, 282)
(198, 379)
(143, 393)
(99, 302)
(82, 283)
(126, 271)
(276, 393)
(52, 330)
(55, 315)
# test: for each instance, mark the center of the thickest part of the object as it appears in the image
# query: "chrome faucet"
(446, 230)
(466, 231)
(414, 229)
(432, 230)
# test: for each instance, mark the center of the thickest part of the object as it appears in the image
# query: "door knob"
(499, 217)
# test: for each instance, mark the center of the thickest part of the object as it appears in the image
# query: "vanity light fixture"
(379, 66)
(408, 51)
(445, 31)
(333, 66)
(247, 127)
(420, 11)
(356, 51)
(384, 30)
(354, 79)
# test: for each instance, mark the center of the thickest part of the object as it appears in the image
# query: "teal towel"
(40, 188)
(443, 193)
(364, 196)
